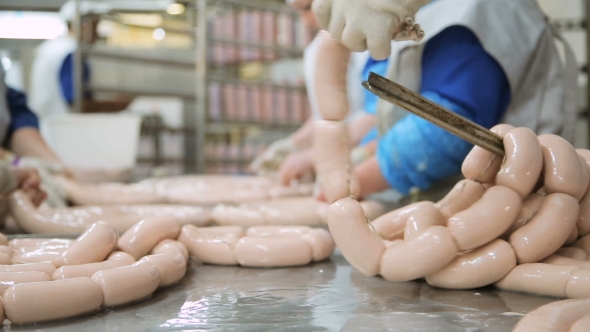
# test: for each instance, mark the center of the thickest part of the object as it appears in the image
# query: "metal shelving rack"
(209, 73)
(201, 128)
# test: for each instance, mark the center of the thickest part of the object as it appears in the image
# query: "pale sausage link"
(564, 170)
(285, 211)
(583, 224)
(461, 197)
(140, 239)
(555, 316)
(582, 324)
(330, 78)
(75, 220)
(263, 246)
(517, 172)
(332, 159)
(486, 219)
(547, 231)
(187, 189)
(480, 164)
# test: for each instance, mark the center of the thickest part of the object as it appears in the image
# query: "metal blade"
(424, 108)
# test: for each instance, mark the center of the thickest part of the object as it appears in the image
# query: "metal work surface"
(328, 296)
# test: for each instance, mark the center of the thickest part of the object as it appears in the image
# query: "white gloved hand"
(369, 24)
(272, 158)
(56, 195)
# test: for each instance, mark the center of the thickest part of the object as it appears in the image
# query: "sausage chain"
(74, 220)
(286, 211)
(101, 269)
(506, 224)
(188, 189)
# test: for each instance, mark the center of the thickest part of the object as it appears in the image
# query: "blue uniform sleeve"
(458, 74)
(378, 67)
(66, 79)
(20, 114)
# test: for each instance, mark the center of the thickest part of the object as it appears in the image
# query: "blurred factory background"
(204, 85)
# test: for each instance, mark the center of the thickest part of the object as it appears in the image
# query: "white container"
(94, 141)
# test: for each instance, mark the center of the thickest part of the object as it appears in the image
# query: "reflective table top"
(326, 296)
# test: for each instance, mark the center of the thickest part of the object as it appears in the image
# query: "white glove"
(369, 24)
(270, 160)
(56, 196)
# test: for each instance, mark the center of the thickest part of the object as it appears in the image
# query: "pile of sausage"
(511, 221)
(521, 222)
(101, 269)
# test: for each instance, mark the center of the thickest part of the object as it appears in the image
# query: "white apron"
(540, 66)
(45, 93)
(355, 91)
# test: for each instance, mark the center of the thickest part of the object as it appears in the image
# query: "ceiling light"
(175, 9)
(31, 25)
(159, 34)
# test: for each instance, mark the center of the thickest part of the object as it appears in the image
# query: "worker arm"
(23, 136)
(20, 114)
(415, 153)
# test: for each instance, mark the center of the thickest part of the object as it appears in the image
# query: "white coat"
(45, 92)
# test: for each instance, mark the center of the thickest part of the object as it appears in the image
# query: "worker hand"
(272, 158)
(297, 166)
(369, 24)
(37, 196)
(29, 181)
(55, 194)
(27, 178)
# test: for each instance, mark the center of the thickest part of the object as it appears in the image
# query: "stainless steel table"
(328, 296)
